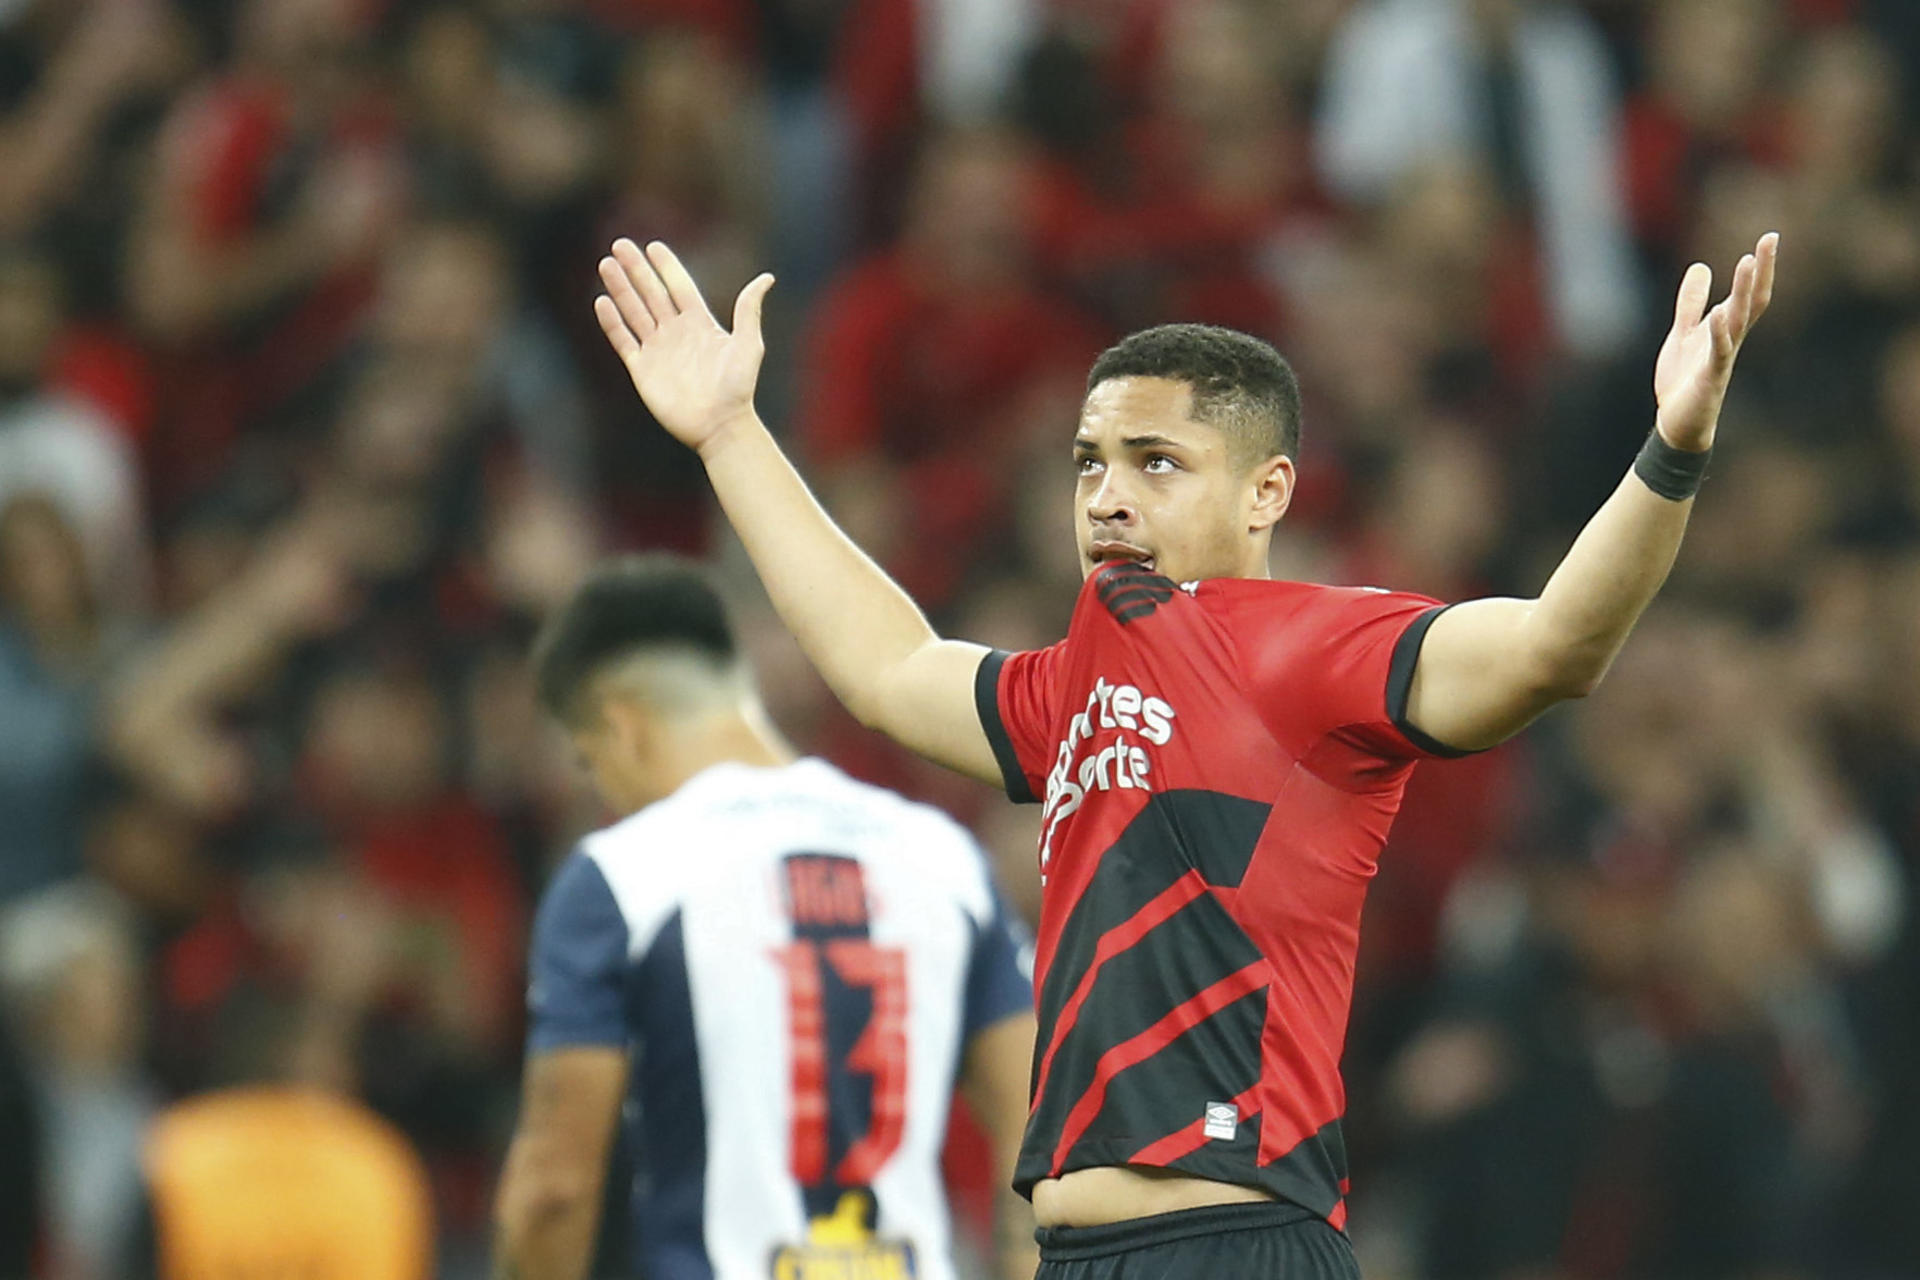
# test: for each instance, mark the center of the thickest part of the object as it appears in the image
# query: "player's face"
(606, 750)
(1157, 487)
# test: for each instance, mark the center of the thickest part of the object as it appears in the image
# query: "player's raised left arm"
(1487, 668)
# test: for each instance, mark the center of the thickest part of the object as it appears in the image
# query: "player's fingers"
(627, 301)
(1720, 326)
(619, 336)
(680, 285)
(1740, 297)
(748, 306)
(1768, 253)
(1691, 302)
(645, 281)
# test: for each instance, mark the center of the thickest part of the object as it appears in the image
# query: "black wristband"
(1674, 474)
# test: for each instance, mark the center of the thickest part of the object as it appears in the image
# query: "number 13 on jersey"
(835, 974)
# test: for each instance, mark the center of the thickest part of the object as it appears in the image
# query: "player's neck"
(1260, 563)
(743, 737)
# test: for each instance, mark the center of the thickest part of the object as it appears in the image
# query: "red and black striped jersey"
(1219, 763)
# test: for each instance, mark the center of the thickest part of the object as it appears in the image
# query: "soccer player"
(1218, 755)
(278, 1180)
(776, 968)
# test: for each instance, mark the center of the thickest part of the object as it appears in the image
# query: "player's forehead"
(1123, 409)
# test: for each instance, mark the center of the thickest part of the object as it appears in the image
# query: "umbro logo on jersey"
(1131, 592)
(1222, 1120)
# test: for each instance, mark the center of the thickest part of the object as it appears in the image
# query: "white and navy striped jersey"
(795, 961)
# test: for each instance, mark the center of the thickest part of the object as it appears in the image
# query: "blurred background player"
(267, 1180)
(779, 968)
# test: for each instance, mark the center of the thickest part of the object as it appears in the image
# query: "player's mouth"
(1104, 552)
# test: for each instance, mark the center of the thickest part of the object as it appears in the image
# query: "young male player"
(1219, 755)
(775, 968)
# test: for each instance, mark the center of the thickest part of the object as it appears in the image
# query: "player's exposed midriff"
(1095, 1197)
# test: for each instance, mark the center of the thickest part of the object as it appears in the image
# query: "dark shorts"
(1219, 1242)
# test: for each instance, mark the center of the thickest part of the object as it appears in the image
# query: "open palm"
(695, 377)
(1690, 376)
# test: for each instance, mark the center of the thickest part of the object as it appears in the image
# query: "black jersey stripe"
(1215, 1060)
(1221, 832)
(986, 701)
(1194, 948)
(1183, 1020)
(1130, 591)
(1406, 655)
(1137, 593)
(1112, 943)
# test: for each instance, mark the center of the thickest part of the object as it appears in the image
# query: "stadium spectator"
(446, 102)
(80, 86)
(932, 359)
(169, 723)
(70, 984)
(1704, 100)
(690, 147)
(1521, 88)
(1671, 1151)
(1839, 144)
(1180, 204)
(275, 183)
(689, 152)
(58, 441)
(266, 1178)
(56, 642)
(375, 774)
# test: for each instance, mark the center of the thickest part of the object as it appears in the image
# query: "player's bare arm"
(1489, 667)
(994, 1077)
(866, 637)
(548, 1209)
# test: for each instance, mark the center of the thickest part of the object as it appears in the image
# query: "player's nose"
(1109, 503)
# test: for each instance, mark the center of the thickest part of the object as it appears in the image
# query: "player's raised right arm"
(866, 637)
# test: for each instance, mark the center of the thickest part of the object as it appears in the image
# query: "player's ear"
(1272, 492)
(627, 726)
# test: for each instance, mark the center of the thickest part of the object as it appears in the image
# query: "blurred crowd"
(305, 422)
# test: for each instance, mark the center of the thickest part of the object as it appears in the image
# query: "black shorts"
(1219, 1242)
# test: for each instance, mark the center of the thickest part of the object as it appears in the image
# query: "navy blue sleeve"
(1000, 971)
(576, 990)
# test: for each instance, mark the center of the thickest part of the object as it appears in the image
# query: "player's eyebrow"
(1086, 444)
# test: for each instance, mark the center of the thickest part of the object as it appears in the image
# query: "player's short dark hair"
(1240, 383)
(626, 606)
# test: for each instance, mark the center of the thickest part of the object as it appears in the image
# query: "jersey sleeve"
(1344, 660)
(1000, 970)
(576, 993)
(1015, 694)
